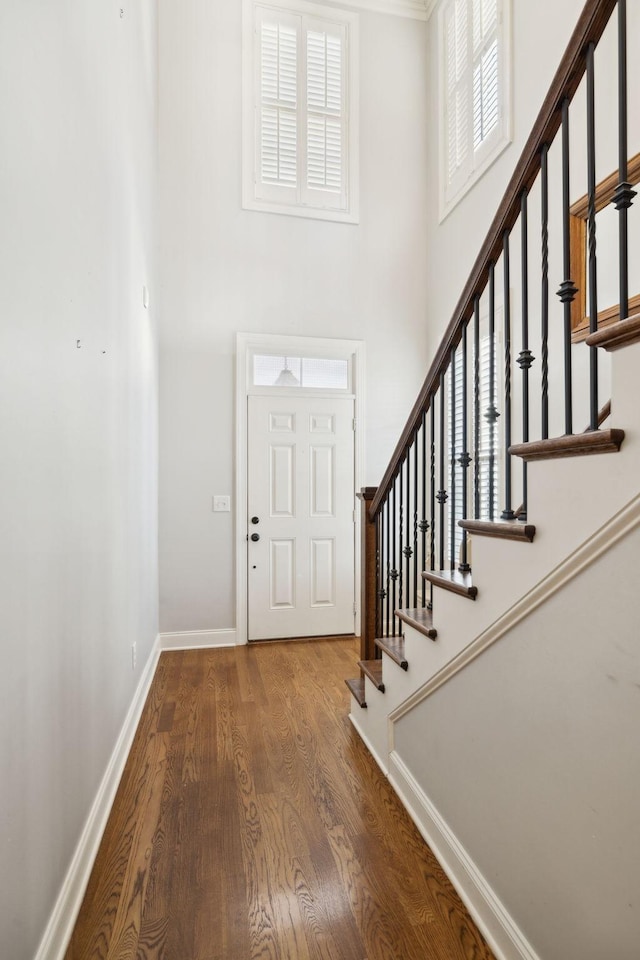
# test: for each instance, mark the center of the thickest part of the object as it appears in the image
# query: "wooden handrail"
(590, 27)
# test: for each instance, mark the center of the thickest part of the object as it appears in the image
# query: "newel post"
(368, 576)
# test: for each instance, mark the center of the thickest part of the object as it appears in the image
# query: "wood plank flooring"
(252, 824)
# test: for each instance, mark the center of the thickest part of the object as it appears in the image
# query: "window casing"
(300, 108)
(474, 92)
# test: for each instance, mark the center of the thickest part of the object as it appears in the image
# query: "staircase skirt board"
(454, 581)
(394, 649)
(373, 670)
(421, 619)
(500, 528)
(617, 335)
(356, 688)
(572, 445)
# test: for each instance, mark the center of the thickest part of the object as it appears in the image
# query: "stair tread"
(373, 670)
(572, 445)
(421, 619)
(356, 688)
(617, 335)
(394, 648)
(503, 529)
(454, 581)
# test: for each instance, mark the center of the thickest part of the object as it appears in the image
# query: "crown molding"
(414, 9)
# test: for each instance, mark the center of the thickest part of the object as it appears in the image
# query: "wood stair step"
(356, 688)
(502, 529)
(572, 445)
(454, 581)
(394, 648)
(373, 670)
(617, 335)
(421, 619)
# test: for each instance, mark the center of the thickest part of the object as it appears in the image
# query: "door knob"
(255, 519)
(255, 537)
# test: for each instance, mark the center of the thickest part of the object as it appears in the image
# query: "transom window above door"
(311, 373)
(300, 103)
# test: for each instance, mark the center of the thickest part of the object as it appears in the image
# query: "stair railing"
(456, 464)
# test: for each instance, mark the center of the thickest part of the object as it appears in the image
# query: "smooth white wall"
(529, 754)
(78, 427)
(224, 270)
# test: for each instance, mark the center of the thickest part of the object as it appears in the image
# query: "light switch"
(221, 504)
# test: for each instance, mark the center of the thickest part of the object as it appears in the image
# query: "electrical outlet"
(221, 504)
(134, 655)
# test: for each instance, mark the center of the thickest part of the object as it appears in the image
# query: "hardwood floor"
(252, 824)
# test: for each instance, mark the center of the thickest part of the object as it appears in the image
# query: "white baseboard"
(193, 639)
(374, 753)
(65, 912)
(491, 916)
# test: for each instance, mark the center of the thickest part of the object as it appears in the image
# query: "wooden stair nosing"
(571, 445)
(421, 619)
(357, 690)
(454, 581)
(616, 335)
(502, 529)
(394, 649)
(373, 670)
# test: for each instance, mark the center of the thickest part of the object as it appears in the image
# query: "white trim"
(607, 536)
(58, 932)
(414, 9)
(365, 739)
(196, 639)
(291, 346)
(350, 214)
(503, 137)
(503, 935)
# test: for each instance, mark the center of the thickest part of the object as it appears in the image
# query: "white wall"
(529, 754)
(225, 270)
(78, 501)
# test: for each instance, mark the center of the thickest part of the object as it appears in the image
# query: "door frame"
(246, 345)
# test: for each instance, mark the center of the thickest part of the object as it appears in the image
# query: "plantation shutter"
(486, 107)
(486, 431)
(277, 106)
(485, 455)
(301, 115)
(325, 182)
(457, 69)
(473, 86)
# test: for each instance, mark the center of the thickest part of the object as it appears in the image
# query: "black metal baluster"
(408, 552)
(591, 223)
(401, 537)
(507, 513)
(378, 618)
(387, 506)
(492, 414)
(381, 573)
(624, 194)
(476, 408)
(464, 459)
(442, 493)
(544, 305)
(525, 357)
(432, 494)
(394, 569)
(568, 288)
(424, 523)
(452, 455)
(415, 520)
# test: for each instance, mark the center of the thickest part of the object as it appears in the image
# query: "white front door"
(300, 517)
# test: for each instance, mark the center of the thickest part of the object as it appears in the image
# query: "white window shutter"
(325, 179)
(276, 109)
(457, 67)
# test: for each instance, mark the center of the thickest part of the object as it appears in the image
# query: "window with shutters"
(489, 451)
(300, 102)
(475, 94)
